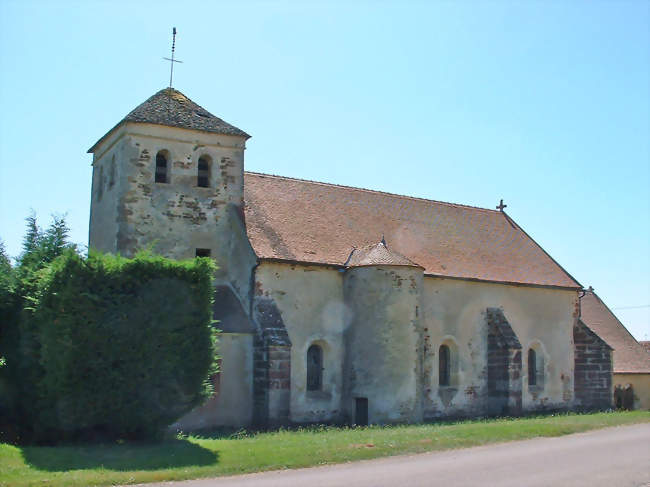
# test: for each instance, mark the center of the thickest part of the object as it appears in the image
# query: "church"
(341, 304)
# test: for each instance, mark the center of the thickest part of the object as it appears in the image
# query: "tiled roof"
(646, 345)
(172, 108)
(377, 254)
(306, 221)
(629, 355)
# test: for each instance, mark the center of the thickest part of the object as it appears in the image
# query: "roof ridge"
(367, 190)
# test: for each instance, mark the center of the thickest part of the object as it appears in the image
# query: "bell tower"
(170, 176)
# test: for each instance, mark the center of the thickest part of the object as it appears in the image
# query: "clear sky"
(545, 104)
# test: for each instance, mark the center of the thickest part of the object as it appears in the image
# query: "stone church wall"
(310, 300)
(454, 313)
(108, 179)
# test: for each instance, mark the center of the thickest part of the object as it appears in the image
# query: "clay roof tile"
(629, 355)
(172, 108)
(377, 254)
(307, 221)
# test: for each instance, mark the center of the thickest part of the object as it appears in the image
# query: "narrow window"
(216, 378)
(444, 366)
(314, 368)
(203, 179)
(161, 168)
(202, 253)
(111, 178)
(532, 367)
(100, 185)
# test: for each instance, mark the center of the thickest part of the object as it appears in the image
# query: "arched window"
(161, 168)
(532, 367)
(314, 368)
(444, 366)
(203, 177)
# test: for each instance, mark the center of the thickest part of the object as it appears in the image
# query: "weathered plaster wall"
(310, 301)
(383, 342)
(232, 405)
(640, 387)
(107, 183)
(387, 325)
(454, 312)
(176, 217)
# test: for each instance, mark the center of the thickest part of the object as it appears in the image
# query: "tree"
(42, 247)
(19, 345)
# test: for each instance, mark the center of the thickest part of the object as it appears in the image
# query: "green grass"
(194, 457)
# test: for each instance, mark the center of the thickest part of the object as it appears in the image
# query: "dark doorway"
(361, 411)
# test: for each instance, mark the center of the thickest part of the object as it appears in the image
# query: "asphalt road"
(613, 457)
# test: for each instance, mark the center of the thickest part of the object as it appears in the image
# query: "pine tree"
(55, 239)
(31, 243)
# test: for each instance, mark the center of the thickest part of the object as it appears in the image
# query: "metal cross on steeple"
(172, 60)
(501, 206)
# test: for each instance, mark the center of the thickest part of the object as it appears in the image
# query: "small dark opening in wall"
(203, 252)
(444, 366)
(361, 411)
(161, 168)
(216, 378)
(314, 368)
(203, 179)
(532, 367)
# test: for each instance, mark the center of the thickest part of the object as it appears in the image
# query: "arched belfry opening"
(162, 167)
(203, 172)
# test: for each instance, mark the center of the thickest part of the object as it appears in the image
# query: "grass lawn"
(192, 457)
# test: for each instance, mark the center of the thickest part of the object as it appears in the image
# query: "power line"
(633, 307)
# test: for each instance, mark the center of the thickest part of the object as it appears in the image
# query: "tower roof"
(172, 108)
(377, 254)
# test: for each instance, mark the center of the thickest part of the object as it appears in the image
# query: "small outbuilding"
(631, 377)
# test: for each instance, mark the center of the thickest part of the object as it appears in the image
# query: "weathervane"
(172, 60)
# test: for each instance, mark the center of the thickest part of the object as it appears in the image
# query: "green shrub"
(125, 346)
(9, 310)
(19, 343)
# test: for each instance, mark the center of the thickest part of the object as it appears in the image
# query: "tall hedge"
(126, 346)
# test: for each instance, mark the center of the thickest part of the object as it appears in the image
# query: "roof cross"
(501, 206)
(172, 60)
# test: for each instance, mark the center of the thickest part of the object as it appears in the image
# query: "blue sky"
(544, 104)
